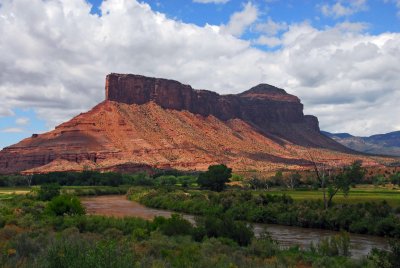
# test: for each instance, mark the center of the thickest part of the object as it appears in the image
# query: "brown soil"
(119, 206)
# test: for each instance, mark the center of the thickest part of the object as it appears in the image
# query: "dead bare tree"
(322, 173)
(29, 179)
(331, 178)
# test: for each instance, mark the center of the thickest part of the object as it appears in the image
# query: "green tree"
(395, 178)
(278, 178)
(344, 179)
(355, 172)
(215, 177)
(332, 180)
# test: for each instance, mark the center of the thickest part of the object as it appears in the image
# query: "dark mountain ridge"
(381, 144)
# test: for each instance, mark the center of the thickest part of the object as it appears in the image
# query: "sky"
(341, 58)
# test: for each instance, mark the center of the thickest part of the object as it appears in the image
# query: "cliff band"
(150, 122)
(271, 110)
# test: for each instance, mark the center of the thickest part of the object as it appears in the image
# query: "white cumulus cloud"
(343, 8)
(240, 21)
(54, 57)
(271, 27)
(268, 41)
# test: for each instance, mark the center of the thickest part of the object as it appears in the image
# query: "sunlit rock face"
(151, 122)
(271, 109)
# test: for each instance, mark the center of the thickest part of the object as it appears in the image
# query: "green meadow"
(8, 192)
(360, 194)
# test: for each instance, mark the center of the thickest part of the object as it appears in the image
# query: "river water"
(119, 206)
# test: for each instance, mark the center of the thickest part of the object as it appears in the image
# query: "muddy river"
(119, 206)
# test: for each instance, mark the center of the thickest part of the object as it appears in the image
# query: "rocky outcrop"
(272, 110)
(263, 103)
(148, 122)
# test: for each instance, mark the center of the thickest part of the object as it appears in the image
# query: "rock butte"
(149, 123)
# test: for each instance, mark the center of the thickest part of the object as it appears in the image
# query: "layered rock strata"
(148, 122)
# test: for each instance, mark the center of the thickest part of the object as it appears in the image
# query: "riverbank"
(373, 218)
(286, 236)
(34, 233)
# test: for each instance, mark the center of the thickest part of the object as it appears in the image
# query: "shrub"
(176, 225)
(49, 191)
(264, 247)
(224, 226)
(25, 245)
(65, 205)
(166, 180)
(338, 245)
(139, 179)
(78, 252)
(386, 259)
(186, 180)
(140, 234)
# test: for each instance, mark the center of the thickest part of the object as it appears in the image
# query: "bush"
(165, 180)
(176, 225)
(387, 259)
(338, 245)
(264, 247)
(186, 180)
(25, 245)
(65, 205)
(78, 252)
(49, 191)
(224, 226)
(139, 179)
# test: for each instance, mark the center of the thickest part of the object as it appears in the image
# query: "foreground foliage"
(30, 236)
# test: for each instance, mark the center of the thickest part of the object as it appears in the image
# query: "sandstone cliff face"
(148, 122)
(263, 103)
(270, 109)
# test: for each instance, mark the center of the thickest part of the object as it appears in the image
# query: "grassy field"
(362, 193)
(8, 192)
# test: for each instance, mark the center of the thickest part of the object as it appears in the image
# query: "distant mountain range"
(383, 144)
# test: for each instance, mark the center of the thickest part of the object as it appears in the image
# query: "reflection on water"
(119, 206)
